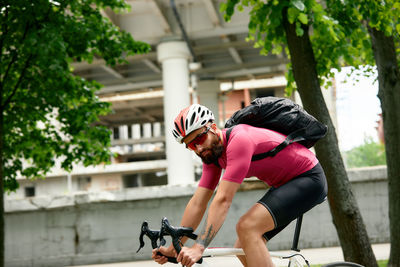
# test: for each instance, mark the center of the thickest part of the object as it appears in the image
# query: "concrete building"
(196, 57)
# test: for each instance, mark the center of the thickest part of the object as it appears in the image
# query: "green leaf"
(222, 7)
(298, 4)
(292, 14)
(389, 30)
(317, 8)
(303, 18)
(299, 30)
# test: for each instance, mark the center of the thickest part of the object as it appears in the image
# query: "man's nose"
(199, 148)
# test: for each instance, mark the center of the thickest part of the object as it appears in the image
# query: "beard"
(212, 154)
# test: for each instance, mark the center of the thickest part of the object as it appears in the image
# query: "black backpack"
(281, 115)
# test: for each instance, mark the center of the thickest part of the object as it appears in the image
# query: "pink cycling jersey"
(246, 141)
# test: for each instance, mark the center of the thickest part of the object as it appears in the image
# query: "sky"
(357, 107)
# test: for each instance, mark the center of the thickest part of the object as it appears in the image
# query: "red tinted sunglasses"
(198, 140)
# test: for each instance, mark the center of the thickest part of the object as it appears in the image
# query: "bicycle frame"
(176, 233)
(294, 259)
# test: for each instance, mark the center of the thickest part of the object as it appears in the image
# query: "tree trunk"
(389, 95)
(2, 238)
(345, 213)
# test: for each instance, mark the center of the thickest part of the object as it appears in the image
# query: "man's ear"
(214, 126)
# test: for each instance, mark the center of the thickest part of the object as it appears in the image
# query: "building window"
(145, 179)
(131, 180)
(116, 133)
(152, 179)
(29, 191)
(84, 183)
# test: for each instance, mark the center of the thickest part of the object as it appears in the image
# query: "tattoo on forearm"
(206, 235)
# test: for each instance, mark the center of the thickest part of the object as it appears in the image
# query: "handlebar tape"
(170, 259)
(173, 259)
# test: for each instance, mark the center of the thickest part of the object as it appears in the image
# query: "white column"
(174, 57)
(136, 135)
(156, 129)
(147, 130)
(208, 96)
(123, 135)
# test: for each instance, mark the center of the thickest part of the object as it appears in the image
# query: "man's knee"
(243, 226)
(252, 222)
(247, 225)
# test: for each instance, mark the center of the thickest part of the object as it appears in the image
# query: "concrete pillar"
(156, 129)
(174, 56)
(147, 130)
(208, 96)
(123, 135)
(136, 135)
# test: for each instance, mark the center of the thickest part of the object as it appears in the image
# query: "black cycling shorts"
(290, 200)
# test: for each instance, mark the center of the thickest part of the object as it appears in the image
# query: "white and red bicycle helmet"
(190, 119)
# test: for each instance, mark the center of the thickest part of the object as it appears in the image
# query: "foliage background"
(371, 153)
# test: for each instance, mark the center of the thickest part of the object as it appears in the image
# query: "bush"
(370, 153)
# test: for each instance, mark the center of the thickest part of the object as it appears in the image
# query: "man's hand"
(167, 252)
(189, 256)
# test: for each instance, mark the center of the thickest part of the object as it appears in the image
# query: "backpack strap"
(296, 136)
(227, 133)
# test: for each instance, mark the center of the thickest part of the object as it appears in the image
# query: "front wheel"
(342, 264)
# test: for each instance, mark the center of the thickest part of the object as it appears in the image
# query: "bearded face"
(213, 151)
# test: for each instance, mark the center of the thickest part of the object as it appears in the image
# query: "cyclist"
(296, 179)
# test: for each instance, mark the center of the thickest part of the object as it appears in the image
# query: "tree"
(46, 111)
(287, 24)
(381, 19)
(389, 95)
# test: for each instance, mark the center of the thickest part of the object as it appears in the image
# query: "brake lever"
(152, 234)
(176, 235)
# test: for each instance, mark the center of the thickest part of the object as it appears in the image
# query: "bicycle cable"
(297, 254)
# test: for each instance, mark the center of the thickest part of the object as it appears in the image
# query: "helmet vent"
(202, 114)
(182, 125)
(177, 128)
(192, 118)
(204, 122)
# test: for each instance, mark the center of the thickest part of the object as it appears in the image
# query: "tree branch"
(14, 58)
(8, 100)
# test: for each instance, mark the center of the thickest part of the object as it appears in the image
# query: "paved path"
(314, 256)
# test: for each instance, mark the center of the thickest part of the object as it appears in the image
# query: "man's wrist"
(199, 246)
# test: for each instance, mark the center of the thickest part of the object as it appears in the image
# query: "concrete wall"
(104, 227)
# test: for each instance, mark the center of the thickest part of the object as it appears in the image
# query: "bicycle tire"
(342, 264)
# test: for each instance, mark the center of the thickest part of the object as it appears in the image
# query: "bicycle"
(294, 258)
